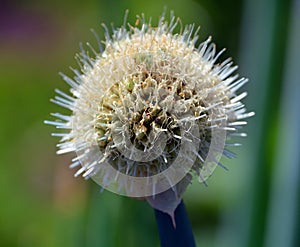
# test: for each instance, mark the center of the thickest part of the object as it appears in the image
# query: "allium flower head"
(151, 111)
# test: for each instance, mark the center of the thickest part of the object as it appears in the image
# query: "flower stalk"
(178, 235)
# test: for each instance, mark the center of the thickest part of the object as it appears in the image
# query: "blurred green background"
(255, 204)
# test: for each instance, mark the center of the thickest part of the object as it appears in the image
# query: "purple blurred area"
(25, 28)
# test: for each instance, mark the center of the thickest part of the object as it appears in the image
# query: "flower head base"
(151, 111)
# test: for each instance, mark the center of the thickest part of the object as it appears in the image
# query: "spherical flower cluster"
(151, 111)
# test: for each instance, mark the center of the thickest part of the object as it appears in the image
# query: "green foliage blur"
(255, 203)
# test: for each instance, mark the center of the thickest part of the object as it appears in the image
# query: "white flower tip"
(114, 102)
